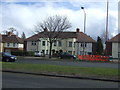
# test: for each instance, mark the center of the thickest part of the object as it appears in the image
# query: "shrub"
(22, 53)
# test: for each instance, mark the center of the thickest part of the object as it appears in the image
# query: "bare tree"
(52, 27)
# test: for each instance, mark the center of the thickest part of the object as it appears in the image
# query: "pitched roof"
(80, 36)
(12, 39)
(115, 39)
(84, 38)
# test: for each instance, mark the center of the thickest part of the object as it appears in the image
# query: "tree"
(103, 36)
(23, 36)
(52, 27)
(99, 46)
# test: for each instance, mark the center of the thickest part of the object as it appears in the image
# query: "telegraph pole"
(107, 28)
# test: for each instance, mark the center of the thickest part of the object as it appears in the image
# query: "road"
(69, 63)
(17, 80)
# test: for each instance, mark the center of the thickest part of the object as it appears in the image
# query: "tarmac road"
(17, 80)
(69, 63)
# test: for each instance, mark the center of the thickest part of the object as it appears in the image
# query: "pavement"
(66, 76)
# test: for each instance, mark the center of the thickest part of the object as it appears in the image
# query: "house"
(113, 46)
(12, 42)
(71, 42)
(1, 44)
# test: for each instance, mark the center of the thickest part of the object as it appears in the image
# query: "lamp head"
(82, 7)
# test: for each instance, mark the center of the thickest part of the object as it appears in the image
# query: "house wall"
(64, 45)
(12, 47)
(1, 47)
(87, 48)
(115, 50)
(31, 47)
(74, 49)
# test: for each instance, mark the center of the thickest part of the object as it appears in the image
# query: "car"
(7, 57)
(37, 53)
(65, 55)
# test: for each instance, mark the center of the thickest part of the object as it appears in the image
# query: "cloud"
(23, 16)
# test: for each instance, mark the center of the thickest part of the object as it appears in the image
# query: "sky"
(23, 15)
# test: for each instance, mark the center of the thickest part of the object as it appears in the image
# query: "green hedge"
(22, 53)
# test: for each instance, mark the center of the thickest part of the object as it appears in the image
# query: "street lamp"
(84, 18)
(84, 26)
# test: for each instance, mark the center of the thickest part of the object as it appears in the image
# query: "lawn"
(38, 68)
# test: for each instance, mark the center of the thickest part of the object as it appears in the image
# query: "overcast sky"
(23, 15)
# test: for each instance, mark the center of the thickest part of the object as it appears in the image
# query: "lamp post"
(84, 27)
(84, 18)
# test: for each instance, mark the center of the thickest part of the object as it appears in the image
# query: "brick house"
(12, 42)
(113, 46)
(71, 42)
(1, 44)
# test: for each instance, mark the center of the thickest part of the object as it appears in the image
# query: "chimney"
(9, 33)
(77, 30)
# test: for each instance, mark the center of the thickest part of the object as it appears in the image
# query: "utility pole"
(107, 28)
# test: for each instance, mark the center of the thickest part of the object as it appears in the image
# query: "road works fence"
(93, 57)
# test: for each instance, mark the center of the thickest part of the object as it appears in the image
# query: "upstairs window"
(55, 43)
(81, 44)
(33, 43)
(14, 44)
(70, 44)
(59, 43)
(85, 44)
(43, 43)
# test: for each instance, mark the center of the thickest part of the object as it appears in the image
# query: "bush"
(22, 53)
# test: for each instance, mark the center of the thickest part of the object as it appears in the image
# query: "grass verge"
(38, 68)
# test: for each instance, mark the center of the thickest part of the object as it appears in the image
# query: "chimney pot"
(10, 33)
(77, 30)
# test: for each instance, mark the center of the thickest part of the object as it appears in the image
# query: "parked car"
(7, 57)
(38, 54)
(65, 55)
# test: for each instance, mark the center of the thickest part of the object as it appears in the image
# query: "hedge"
(22, 53)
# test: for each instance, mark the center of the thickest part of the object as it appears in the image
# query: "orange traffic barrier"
(93, 57)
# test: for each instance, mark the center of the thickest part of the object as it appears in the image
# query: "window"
(43, 51)
(85, 44)
(47, 52)
(59, 43)
(118, 54)
(43, 43)
(81, 44)
(70, 44)
(33, 43)
(13, 44)
(55, 43)
(8, 44)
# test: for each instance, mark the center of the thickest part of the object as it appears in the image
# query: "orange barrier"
(93, 57)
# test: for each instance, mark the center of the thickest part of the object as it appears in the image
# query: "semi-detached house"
(71, 42)
(113, 46)
(12, 42)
